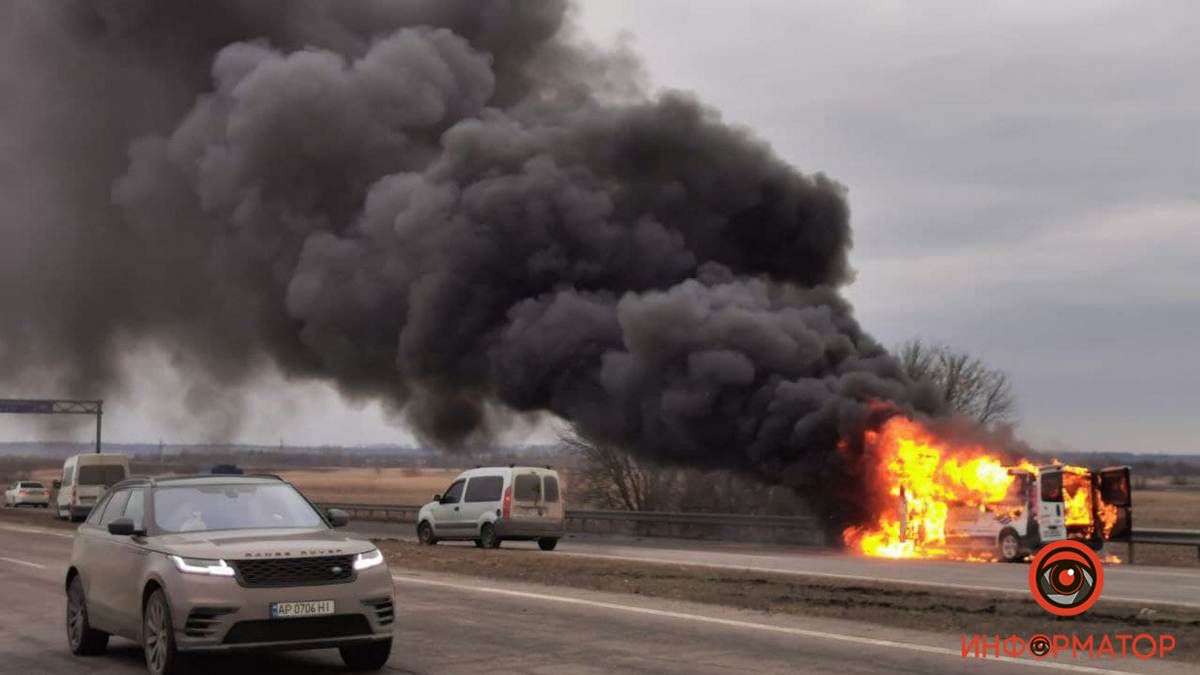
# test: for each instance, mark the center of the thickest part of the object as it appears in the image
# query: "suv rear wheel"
(371, 656)
(547, 543)
(158, 636)
(83, 639)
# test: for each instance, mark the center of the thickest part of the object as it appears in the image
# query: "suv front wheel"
(158, 636)
(371, 656)
(83, 639)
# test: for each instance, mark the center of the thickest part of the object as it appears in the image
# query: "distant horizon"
(423, 449)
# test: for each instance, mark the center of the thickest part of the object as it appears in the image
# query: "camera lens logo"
(1039, 645)
(1066, 577)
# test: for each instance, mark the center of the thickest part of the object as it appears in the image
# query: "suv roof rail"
(134, 480)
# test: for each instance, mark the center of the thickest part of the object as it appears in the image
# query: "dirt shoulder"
(34, 517)
(935, 610)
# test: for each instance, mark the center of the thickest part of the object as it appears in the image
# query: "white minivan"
(489, 505)
(85, 478)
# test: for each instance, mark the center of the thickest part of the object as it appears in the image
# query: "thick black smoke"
(454, 207)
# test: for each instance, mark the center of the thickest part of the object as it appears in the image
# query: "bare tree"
(967, 384)
(610, 477)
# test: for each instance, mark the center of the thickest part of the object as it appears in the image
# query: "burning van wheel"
(1008, 546)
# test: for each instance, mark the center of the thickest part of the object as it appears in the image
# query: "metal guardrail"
(726, 519)
(408, 513)
(644, 523)
(404, 513)
(712, 525)
(1165, 538)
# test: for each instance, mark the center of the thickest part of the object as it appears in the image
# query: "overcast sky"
(1024, 180)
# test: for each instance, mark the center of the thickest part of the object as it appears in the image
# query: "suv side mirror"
(57, 484)
(122, 527)
(338, 517)
(437, 498)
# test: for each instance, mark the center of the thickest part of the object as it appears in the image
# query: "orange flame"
(1077, 496)
(928, 476)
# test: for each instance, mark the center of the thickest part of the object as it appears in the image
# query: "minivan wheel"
(425, 534)
(547, 543)
(82, 638)
(158, 636)
(371, 656)
(1008, 546)
(487, 536)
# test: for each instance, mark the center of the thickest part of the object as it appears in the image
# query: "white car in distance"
(27, 493)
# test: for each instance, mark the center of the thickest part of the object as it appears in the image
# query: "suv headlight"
(215, 568)
(367, 560)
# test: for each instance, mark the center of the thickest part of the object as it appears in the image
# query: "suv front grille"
(307, 628)
(330, 569)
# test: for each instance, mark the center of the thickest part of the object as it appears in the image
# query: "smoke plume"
(455, 207)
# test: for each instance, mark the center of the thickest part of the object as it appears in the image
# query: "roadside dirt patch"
(936, 610)
(370, 486)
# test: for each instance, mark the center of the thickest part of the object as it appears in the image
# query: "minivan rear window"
(527, 487)
(551, 488)
(484, 489)
(107, 475)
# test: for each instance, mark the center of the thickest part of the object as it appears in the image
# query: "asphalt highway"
(1167, 586)
(451, 624)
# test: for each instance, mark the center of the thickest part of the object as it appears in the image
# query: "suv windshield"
(198, 508)
(107, 475)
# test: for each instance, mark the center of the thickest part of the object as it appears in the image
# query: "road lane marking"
(1022, 591)
(23, 562)
(734, 623)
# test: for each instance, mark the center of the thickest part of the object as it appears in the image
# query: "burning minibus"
(965, 501)
(1045, 504)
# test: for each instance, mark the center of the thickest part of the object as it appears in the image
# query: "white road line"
(23, 562)
(1023, 591)
(734, 623)
(38, 530)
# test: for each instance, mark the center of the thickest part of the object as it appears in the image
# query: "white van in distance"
(489, 505)
(85, 478)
